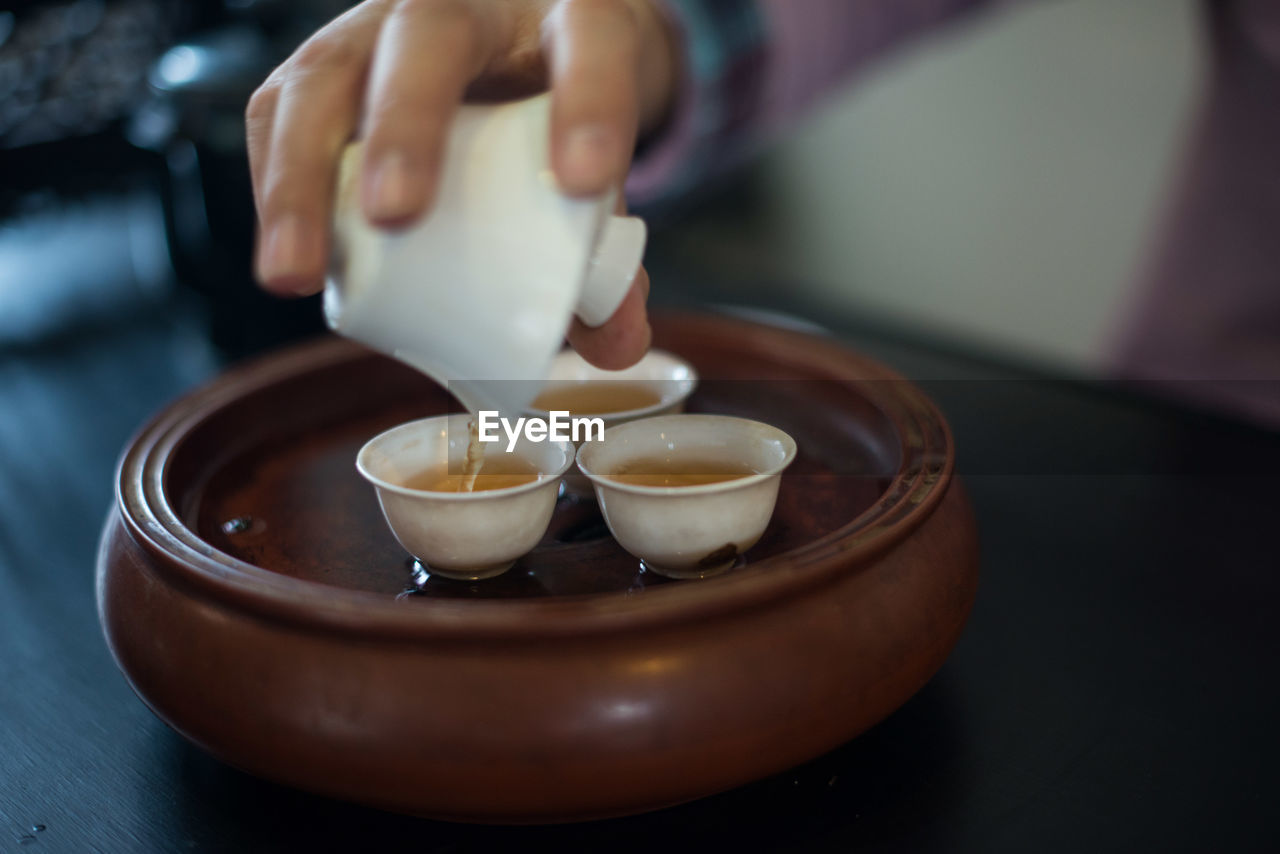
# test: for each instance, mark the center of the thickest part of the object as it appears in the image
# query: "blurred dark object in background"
(194, 120)
(136, 107)
(71, 69)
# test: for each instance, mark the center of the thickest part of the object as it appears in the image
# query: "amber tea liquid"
(690, 472)
(597, 398)
(498, 472)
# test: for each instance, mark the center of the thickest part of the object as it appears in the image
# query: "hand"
(394, 71)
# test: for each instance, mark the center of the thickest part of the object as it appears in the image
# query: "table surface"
(1114, 688)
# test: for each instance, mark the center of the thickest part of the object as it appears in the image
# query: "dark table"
(1115, 688)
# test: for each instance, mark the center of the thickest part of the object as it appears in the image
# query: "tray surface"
(295, 505)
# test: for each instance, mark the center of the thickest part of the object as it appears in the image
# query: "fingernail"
(588, 156)
(391, 190)
(284, 250)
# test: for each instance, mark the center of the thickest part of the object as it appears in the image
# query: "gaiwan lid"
(480, 291)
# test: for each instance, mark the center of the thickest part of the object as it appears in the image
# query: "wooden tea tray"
(256, 601)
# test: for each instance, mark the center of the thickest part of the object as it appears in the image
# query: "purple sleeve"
(750, 66)
(1205, 318)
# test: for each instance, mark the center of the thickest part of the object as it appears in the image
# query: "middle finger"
(427, 53)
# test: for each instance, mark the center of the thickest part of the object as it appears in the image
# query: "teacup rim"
(605, 480)
(688, 385)
(544, 478)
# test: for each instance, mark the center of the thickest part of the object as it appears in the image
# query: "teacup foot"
(422, 571)
(693, 572)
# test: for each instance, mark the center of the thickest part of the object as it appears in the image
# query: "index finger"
(296, 125)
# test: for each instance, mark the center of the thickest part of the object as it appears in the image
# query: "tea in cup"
(656, 385)
(659, 384)
(688, 494)
(460, 524)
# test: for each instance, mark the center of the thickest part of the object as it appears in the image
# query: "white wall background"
(998, 182)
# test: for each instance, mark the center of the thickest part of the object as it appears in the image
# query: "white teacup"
(463, 535)
(479, 293)
(689, 531)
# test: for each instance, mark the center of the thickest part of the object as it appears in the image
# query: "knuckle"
(299, 175)
(625, 14)
(611, 21)
(455, 16)
(280, 195)
(399, 125)
(459, 21)
(615, 11)
(274, 189)
(456, 21)
(262, 103)
(285, 188)
(323, 52)
(626, 25)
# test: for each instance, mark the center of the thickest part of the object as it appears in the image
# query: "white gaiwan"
(479, 293)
